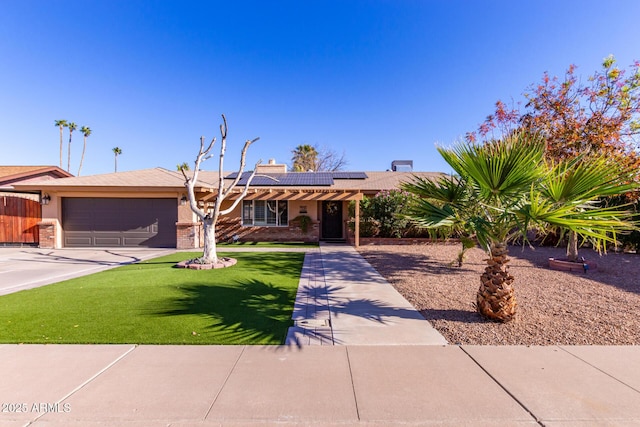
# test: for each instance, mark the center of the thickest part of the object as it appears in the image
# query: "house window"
(270, 213)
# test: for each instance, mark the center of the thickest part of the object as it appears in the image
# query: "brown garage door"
(117, 222)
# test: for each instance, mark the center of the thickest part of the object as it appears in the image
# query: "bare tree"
(330, 161)
(209, 217)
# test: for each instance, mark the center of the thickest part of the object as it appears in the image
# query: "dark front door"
(332, 220)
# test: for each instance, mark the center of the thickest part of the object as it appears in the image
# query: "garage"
(119, 222)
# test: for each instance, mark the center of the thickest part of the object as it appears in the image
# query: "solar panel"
(296, 179)
(349, 175)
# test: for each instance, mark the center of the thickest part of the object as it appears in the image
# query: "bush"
(381, 215)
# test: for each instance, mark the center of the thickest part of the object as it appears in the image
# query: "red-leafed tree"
(600, 115)
(576, 118)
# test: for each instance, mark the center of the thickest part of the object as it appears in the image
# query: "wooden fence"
(19, 217)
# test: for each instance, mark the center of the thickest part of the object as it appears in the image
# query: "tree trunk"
(496, 299)
(60, 147)
(84, 148)
(69, 153)
(572, 247)
(209, 255)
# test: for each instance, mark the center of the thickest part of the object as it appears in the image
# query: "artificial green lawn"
(153, 303)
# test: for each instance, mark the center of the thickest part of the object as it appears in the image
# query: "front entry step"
(334, 240)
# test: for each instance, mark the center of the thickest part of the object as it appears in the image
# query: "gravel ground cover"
(597, 308)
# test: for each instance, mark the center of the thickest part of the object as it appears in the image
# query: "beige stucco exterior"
(162, 183)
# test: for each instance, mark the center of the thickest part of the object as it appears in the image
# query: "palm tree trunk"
(496, 299)
(572, 247)
(61, 146)
(69, 153)
(84, 148)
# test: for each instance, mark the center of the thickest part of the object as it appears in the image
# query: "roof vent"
(402, 166)
(272, 161)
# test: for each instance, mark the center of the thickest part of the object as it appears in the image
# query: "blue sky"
(378, 80)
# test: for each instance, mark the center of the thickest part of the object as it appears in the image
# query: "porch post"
(357, 225)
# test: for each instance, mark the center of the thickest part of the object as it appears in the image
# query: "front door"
(332, 220)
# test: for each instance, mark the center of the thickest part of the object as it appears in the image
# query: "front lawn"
(153, 303)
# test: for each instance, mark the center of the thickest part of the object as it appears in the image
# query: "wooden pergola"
(208, 195)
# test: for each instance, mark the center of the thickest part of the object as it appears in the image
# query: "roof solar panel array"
(296, 179)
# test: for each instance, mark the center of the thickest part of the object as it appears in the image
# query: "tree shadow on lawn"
(252, 312)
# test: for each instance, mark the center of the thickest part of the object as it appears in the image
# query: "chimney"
(402, 165)
(271, 168)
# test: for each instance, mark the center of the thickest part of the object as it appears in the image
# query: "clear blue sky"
(379, 80)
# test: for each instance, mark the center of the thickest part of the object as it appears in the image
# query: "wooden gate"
(19, 217)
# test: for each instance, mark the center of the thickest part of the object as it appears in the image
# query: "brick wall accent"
(228, 227)
(404, 241)
(47, 234)
(188, 235)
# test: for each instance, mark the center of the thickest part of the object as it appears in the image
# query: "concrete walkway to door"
(342, 300)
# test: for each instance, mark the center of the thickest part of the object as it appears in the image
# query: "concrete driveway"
(26, 268)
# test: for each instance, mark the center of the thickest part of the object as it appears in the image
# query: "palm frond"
(446, 189)
(586, 178)
(427, 215)
(499, 169)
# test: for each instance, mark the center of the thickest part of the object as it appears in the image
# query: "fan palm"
(72, 126)
(305, 158)
(116, 151)
(61, 124)
(85, 132)
(505, 188)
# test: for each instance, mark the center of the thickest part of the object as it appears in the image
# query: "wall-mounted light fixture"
(183, 200)
(45, 199)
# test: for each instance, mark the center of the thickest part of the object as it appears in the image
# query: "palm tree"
(86, 132)
(116, 151)
(305, 158)
(61, 124)
(72, 126)
(504, 189)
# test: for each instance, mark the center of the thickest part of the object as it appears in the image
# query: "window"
(271, 213)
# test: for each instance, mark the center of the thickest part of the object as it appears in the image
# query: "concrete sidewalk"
(88, 385)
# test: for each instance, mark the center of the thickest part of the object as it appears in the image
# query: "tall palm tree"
(61, 124)
(116, 151)
(72, 126)
(305, 158)
(85, 132)
(506, 189)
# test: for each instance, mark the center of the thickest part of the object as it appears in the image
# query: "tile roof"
(163, 178)
(14, 174)
(156, 177)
